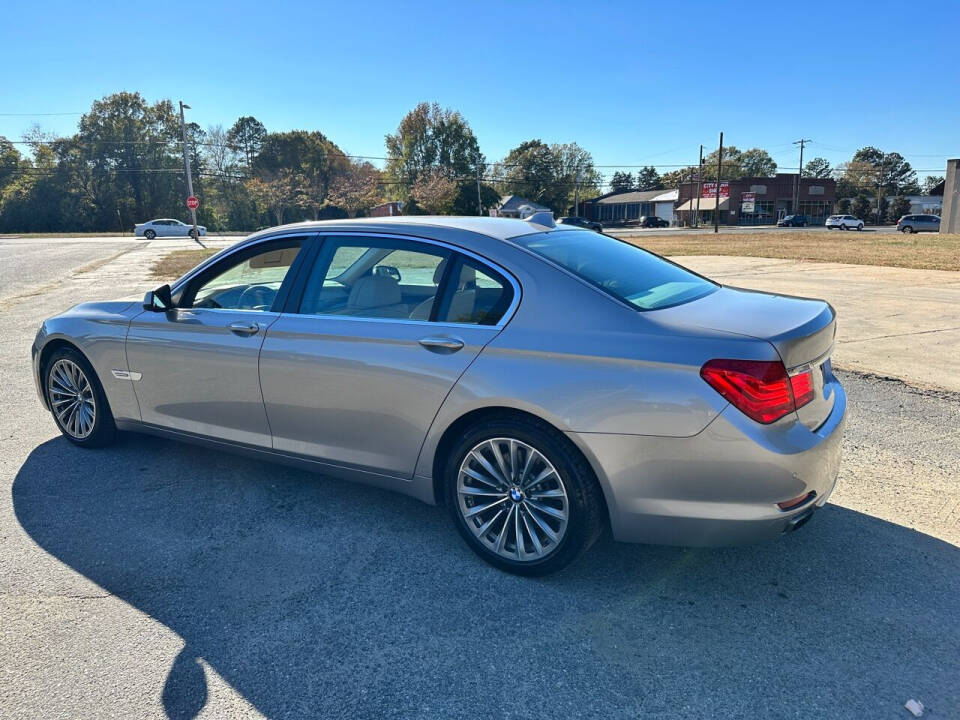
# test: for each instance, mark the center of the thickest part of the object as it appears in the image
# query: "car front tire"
(149, 234)
(76, 399)
(859, 227)
(517, 477)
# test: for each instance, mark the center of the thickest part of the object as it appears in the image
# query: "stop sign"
(193, 203)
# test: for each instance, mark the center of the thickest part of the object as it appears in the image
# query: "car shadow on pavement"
(317, 598)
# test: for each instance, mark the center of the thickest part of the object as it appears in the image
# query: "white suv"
(844, 222)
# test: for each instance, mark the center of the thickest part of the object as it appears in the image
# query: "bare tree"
(220, 155)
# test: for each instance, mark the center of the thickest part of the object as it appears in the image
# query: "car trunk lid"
(802, 331)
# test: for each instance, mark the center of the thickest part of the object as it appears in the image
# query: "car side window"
(251, 281)
(375, 278)
(474, 294)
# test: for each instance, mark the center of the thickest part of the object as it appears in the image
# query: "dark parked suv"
(793, 221)
(582, 222)
(652, 221)
(919, 223)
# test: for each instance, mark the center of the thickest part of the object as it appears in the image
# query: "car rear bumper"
(721, 486)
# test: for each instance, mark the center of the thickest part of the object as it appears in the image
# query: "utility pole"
(186, 165)
(576, 196)
(699, 187)
(479, 201)
(880, 188)
(796, 194)
(716, 199)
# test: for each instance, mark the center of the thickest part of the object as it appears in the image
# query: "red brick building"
(773, 199)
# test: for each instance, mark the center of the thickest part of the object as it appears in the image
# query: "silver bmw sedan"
(541, 381)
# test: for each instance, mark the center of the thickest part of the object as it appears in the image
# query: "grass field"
(175, 264)
(927, 251)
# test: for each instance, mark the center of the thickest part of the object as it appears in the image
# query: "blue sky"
(632, 82)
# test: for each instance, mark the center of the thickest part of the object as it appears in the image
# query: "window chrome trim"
(505, 318)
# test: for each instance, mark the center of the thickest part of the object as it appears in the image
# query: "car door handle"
(439, 342)
(243, 328)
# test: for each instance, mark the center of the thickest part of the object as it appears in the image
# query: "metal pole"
(880, 188)
(796, 195)
(699, 187)
(479, 201)
(576, 196)
(186, 165)
(716, 199)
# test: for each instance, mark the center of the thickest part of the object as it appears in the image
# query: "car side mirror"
(388, 271)
(159, 300)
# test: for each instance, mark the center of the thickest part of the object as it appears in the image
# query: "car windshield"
(629, 273)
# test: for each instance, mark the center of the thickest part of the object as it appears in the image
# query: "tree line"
(124, 165)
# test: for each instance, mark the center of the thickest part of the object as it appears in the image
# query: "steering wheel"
(257, 297)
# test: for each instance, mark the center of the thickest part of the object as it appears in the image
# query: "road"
(156, 579)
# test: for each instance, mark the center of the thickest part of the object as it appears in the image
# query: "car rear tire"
(149, 234)
(907, 230)
(517, 477)
(76, 399)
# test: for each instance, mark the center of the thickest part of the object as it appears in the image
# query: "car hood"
(105, 309)
(801, 329)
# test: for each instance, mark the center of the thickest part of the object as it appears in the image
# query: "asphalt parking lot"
(155, 579)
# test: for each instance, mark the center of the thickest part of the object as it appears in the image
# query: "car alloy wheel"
(72, 399)
(149, 234)
(513, 499)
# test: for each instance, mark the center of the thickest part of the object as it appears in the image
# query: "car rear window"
(627, 272)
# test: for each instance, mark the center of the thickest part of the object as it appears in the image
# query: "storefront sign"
(748, 202)
(710, 190)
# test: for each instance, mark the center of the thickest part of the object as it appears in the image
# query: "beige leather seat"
(376, 296)
(464, 300)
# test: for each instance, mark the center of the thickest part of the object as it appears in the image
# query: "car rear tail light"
(801, 385)
(760, 389)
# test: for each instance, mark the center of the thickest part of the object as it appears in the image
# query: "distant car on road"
(843, 222)
(166, 228)
(793, 221)
(582, 222)
(652, 221)
(919, 223)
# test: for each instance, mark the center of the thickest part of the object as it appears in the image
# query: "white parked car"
(844, 222)
(166, 228)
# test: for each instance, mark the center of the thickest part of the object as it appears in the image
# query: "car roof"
(498, 228)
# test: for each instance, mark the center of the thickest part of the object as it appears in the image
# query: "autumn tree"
(435, 191)
(355, 187)
(430, 137)
(273, 192)
(547, 174)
